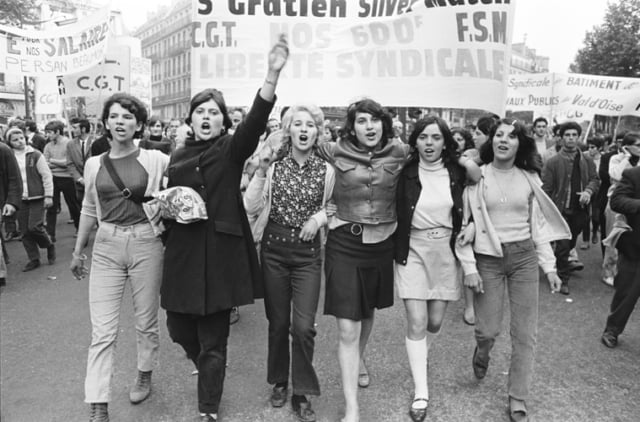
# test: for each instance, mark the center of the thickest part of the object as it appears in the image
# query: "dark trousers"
(31, 221)
(291, 270)
(67, 186)
(79, 193)
(627, 286)
(576, 222)
(204, 339)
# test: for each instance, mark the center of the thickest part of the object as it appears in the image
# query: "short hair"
(466, 135)
(569, 125)
(55, 126)
(630, 138)
(206, 95)
(540, 119)
(450, 151)
(372, 107)
(556, 129)
(17, 122)
(527, 157)
(155, 119)
(84, 123)
(130, 103)
(31, 125)
(596, 141)
(486, 123)
(314, 111)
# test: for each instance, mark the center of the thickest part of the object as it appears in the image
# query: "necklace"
(503, 196)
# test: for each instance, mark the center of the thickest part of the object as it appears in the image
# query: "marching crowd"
(451, 212)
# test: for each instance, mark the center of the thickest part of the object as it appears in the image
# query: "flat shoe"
(303, 411)
(363, 377)
(517, 411)
(479, 369)
(418, 414)
(278, 396)
(471, 321)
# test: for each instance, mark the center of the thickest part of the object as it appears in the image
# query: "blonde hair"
(314, 111)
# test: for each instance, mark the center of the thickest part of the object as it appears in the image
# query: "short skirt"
(432, 271)
(359, 277)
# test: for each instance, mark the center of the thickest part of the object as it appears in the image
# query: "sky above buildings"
(553, 28)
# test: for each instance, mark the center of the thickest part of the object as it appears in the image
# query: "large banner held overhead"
(438, 53)
(67, 49)
(573, 96)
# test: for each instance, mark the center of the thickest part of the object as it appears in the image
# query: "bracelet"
(81, 257)
(267, 81)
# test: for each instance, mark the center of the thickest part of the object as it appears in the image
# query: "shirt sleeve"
(47, 177)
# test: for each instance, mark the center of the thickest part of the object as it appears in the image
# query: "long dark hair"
(367, 105)
(449, 152)
(527, 157)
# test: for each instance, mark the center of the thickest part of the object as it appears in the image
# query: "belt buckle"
(356, 229)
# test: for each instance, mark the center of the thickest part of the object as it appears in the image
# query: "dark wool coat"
(626, 200)
(408, 193)
(212, 265)
(10, 178)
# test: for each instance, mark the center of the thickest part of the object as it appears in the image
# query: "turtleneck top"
(433, 208)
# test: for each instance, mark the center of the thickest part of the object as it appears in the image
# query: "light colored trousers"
(122, 253)
(516, 274)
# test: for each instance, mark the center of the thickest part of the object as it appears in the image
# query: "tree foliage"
(613, 48)
(18, 12)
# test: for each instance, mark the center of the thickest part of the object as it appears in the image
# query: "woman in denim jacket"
(515, 221)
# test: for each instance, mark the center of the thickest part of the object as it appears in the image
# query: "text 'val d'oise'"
(477, 31)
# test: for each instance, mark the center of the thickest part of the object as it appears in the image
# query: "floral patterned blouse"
(296, 190)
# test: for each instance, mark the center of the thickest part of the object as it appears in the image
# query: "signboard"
(47, 96)
(64, 50)
(573, 96)
(109, 76)
(438, 53)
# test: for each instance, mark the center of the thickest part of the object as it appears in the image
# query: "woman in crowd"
(290, 196)
(212, 265)
(480, 136)
(429, 200)
(156, 137)
(37, 194)
(125, 248)
(359, 249)
(515, 221)
(466, 147)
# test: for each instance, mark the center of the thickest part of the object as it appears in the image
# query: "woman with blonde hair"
(290, 195)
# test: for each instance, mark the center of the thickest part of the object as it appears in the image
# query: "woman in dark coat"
(212, 265)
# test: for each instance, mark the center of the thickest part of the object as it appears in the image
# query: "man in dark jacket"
(625, 200)
(10, 196)
(570, 179)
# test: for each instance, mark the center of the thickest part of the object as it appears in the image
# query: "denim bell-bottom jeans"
(516, 272)
(122, 253)
(291, 270)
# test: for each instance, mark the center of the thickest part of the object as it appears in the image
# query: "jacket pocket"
(228, 228)
(392, 168)
(344, 166)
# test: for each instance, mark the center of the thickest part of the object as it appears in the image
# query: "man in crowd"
(78, 151)
(10, 197)
(570, 179)
(540, 134)
(625, 200)
(55, 152)
(33, 137)
(172, 131)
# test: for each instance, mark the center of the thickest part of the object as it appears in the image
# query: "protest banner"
(47, 97)
(140, 80)
(68, 49)
(438, 53)
(573, 96)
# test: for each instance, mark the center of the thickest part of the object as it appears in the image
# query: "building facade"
(166, 40)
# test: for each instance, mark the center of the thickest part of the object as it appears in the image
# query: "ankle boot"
(142, 388)
(99, 412)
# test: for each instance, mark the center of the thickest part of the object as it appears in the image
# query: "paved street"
(45, 333)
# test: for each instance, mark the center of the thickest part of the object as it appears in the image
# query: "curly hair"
(130, 103)
(527, 157)
(373, 108)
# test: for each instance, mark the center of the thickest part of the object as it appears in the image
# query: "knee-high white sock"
(417, 352)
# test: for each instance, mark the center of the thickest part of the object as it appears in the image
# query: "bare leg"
(350, 333)
(365, 332)
(469, 312)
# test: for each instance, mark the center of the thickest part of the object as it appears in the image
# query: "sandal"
(418, 413)
(517, 410)
(363, 377)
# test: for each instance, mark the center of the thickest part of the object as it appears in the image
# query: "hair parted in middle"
(374, 108)
(527, 157)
